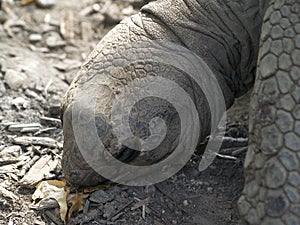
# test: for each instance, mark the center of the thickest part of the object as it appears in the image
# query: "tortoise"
(202, 54)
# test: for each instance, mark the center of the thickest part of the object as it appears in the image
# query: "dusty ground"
(40, 52)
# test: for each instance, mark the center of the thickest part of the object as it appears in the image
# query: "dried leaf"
(97, 188)
(58, 183)
(77, 202)
(48, 189)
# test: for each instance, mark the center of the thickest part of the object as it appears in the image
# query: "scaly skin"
(271, 195)
(225, 34)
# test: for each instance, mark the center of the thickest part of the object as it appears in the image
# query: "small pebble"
(35, 37)
(45, 3)
(100, 196)
(209, 189)
(185, 203)
(113, 14)
(20, 102)
(55, 42)
(96, 7)
(128, 11)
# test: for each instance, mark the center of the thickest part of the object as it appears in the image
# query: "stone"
(14, 79)
(100, 197)
(55, 42)
(45, 3)
(35, 37)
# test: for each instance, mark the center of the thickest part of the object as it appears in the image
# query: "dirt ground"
(40, 51)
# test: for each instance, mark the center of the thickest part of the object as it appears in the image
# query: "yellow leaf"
(47, 190)
(58, 183)
(26, 2)
(77, 202)
(97, 188)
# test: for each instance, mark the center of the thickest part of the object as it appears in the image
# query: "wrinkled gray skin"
(232, 37)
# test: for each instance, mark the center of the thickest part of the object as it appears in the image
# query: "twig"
(47, 87)
(4, 162)
(226, 156)
(140, 203)
(238, 140)
(144, 211)
(50, 119)
(30, 127)
(28, 165)
(239, 151)
(44, 130)
(27, 140)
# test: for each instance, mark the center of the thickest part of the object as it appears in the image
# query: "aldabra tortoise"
(184, 42)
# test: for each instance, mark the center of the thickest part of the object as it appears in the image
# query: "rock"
(55, 41)
(14, 79)
(20, 102)
(37, 71)
(90, 10)
(128, 11)
(138, 3)
(67, 65)
(100, 197)
(109, 210)
(113, 14)
(45, 3)
(35, 38)
(185, 203)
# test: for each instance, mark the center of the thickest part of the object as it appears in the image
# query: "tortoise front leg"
(272, 168)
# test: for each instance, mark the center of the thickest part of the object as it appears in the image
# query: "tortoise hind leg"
(272, 167)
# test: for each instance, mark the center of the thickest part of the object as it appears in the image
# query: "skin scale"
(244, 43)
